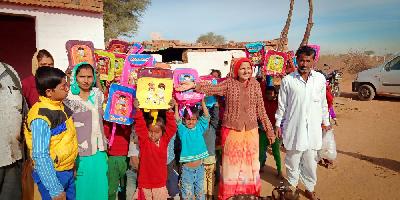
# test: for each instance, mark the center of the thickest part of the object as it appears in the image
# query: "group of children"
(172, 156)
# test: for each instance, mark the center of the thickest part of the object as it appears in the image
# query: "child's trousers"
(66, 179)
(193, 183)
(263, 145)
(117, 166)
(209, 178)
(131, 183)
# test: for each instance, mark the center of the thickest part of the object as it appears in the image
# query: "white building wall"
(203, 62)
(54, 27)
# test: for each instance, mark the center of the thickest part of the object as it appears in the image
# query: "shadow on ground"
(383, 162)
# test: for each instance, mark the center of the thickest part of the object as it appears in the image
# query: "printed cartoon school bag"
(119, 108)
(104, 62)
(117, 46)
(255, 52)
(133, 63)
(210, 100)
(80, 51)
(317, 49)
(118, 67)
(186, 99)
(275, 63)
(154, 88)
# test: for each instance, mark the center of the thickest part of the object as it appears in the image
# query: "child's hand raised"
(172, 103)
(136, 104)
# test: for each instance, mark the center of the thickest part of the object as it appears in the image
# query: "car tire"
(366, 93)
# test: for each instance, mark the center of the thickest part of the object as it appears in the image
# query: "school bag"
(133, 63)
(80, 51)
(105, 61)
(317, 49)
(154, 88)
(275, 63)
(117, 46)
(255, 52)
(186, 99)
(119, 108)
(117, 69)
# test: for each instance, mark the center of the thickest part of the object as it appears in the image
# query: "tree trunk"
(309, 24)
(284, 34)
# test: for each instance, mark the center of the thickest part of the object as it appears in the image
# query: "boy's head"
(191, 121)
(156, 130)
(270, 93)
(216, 73)
(51, 83)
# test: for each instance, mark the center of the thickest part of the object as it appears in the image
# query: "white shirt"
(302, 107)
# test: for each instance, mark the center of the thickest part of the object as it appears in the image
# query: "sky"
(339, 25)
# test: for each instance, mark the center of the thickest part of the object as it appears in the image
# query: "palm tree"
(309, 24)
(284, 34)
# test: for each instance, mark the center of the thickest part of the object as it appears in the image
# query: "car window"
(395, 64)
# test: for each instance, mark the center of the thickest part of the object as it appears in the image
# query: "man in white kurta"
(302, 109)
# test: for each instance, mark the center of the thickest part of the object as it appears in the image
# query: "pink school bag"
(133, 63)
(317, 49)
(186, 99)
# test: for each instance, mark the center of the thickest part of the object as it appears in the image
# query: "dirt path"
(368, 144)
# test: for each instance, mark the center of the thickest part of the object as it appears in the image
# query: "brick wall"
(84, 5)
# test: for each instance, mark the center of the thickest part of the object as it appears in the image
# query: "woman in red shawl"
(243, 107)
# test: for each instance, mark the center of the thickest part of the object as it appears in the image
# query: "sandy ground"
(368, 161)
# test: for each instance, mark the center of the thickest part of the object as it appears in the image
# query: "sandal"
(311, 195)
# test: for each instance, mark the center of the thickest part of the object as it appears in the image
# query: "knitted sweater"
(122, 135)
(238, 98)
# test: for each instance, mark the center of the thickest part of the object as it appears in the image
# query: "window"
(395, 64)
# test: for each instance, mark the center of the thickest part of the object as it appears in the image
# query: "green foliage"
(211, 38)
(122, 17)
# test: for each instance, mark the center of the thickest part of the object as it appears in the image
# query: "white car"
(384, 79)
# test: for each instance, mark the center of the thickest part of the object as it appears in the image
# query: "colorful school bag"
(317, 49)
(186, 99)
(154, 88)
(255, 52)
(104, 62)
(117, 46)
(275, 63)
(80, 51)
(118, 68)
(133, 63)
(210, 100)
(119, 107)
